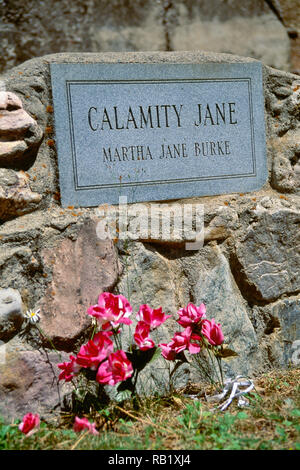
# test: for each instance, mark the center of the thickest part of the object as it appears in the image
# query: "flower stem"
(214, 367)
(48, 339)
(219, 359)
(134, 383)
(94, 331)
(117, 339)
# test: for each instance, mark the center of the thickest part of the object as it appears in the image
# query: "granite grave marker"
(158, 131)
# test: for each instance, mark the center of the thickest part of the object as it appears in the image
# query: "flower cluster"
(100, 354)
(104, 354)
(198, 332)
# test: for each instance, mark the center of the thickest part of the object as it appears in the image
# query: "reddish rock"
(81, 270)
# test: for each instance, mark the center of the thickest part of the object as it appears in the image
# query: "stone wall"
(247, 272)
(267, 30)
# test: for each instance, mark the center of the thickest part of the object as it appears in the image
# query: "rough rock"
(11, 313)
(12, 149)
(222, 225)
(14, 122)
(28, 381)
(277, 328)
(284, 144)
(147, 277)
(16, 197)
(10, 102)
(288, 12)
(19, 133)
(247, 28)
(81, 270)
(267, 262)
(171, 223)
(286, 166)
(217, 26)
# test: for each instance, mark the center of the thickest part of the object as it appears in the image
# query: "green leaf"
(287, 422)
(123, 395)
(275, 417)
(281, 432)
(156, 355)
(140, 359)
(125, 385)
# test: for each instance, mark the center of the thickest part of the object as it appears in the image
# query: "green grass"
(271, 422)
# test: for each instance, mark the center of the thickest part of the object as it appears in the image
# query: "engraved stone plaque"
(158, 131)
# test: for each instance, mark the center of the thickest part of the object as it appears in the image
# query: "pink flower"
(69, 369)
(115, 369)
(81, 424)
(153, 317)
(30, 421)
(141, 336)
(111, 310)
(213, 332)
(95, 351)
(183, 340)
(167, 351)
(180, 342)
(191, 314)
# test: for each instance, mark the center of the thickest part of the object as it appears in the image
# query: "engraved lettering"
(105, 119)
(178, 114)
(208, 116)
(132, 152)
(212, 148)
(144, 119)
(130, 118)
(166, 106)
(231, 112)
(216, 114)
(116, 119)
(173, 151)
(90, 118)
(220, 113)
(200, 118)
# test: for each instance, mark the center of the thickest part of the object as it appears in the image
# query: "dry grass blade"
(135, 417)
(148, 422)
(80, 439)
